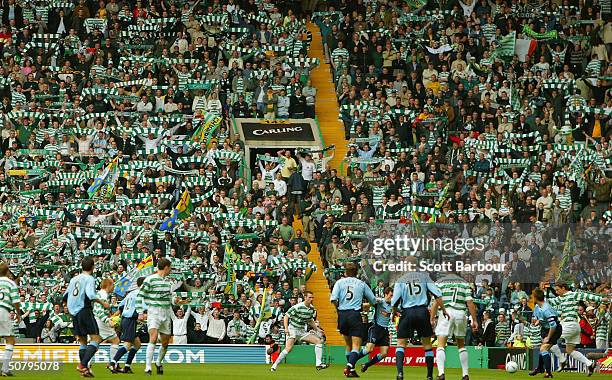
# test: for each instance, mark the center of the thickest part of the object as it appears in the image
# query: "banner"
(413, 357)
(498, 357)
(540, 36)
(605, 365)
(573, 364)
(176, 354)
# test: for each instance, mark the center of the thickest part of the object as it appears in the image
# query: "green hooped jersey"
(300, 315)
(9, 294)
(455, 292)
(156, 291)
(603, 323)
(567, 304)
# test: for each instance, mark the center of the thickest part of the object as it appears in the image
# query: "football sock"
(374, 360)
(82, 349)
(318, 348)
(353, 357)
(546, 359)
(429, 359)
(280, 358)
(581, 358)
(399, 360)
(463, 358)
(161, 354)
(149, 358)
(113, 351)
(557, 352)
(119, 354)
(131, 355)
(90, 352)
(440, 360)
(8, 354)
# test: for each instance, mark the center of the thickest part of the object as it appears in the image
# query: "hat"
(590, 308)
(353, 199)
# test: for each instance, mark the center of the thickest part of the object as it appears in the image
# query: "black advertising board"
(277, 130)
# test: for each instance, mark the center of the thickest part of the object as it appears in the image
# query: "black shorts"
(350, 323)
(84, 323)
(554, 339)
(128, 329)
(414, 319)
(378, 335)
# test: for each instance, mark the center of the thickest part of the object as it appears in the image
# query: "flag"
(168, 224)
(126, 283)
(206, 123)
(506, 46)
(228, 257)
(568, 251)
(525, 48)
(265, 304)
(228, 263)
(145, 267)
(102, 178)
(18, 172)
(515, 100)
(184, 207)
(122, 286)
(198, 135)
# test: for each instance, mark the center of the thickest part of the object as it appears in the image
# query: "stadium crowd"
(112, 109)
(493, 118)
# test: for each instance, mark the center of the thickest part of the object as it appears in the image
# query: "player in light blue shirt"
(128, 304)
(79, 296)
(81, 292)
(378, 332)
(348, 294)
(412, 294)
(129, 319)
(551, 327)
(414, 289)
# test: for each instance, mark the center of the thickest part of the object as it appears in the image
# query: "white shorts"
(455, 326)
(179, 339)
(105, 331)
(160, 319)
(6, 324)
(298, 334)
(570, 332)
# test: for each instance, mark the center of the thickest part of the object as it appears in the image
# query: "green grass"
(285, 371)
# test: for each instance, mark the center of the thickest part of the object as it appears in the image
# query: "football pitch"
(285, 371)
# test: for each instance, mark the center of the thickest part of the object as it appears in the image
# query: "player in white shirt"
(9, 301)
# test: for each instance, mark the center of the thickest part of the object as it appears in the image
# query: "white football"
(511, 367)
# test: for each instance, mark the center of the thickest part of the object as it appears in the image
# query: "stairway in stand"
(326, 104)
(326, 311)
(333, 134)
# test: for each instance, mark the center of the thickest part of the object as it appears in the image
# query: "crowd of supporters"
(446, 119)
(490, 117)
(110, 111)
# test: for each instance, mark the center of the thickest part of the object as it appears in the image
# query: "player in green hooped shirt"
(297, 320)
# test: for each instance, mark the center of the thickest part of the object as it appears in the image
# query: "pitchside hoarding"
(176, 354)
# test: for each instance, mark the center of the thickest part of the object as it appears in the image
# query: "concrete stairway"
(327, 104)
(326, 311)
(333, 134)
